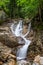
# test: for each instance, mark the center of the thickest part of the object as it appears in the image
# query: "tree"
(9, 7)
(28, 8)
(4, 4)
(22, 8)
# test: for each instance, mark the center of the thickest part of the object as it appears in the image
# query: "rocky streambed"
(9, 45)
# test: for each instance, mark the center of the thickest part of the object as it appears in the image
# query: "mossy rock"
(3, 16)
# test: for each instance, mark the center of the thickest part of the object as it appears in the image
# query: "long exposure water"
(22, 52)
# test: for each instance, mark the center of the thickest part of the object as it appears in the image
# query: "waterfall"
(18, 30)
(22, 52)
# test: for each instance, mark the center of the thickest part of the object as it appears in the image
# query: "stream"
(22, 52)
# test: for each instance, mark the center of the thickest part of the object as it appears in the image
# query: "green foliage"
(22, 8)
(4, 4)
(28, 8)
(3, 16)
(9, 7)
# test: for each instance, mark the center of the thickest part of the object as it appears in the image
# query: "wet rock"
(23, 62)
(4, 52)
(6, 36)
(20, 41)
(9, 40)
(6, 57)
(1, 62)
(36, 47)
(3, 16)
(36, 64)
(10, 62)
(25, 29)
(4, 28)
(38, 60)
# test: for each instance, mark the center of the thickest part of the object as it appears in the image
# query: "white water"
(22, 52)
(18, 30)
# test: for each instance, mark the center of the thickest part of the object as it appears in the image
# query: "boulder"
(8, 39)
(1, 62)
(25, 29)
(4, 52)
(6, 57)
(38, 60)
(10, 62)
(4, 28)
(23, 62)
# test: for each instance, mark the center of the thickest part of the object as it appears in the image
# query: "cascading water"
(22, 52)
(18, 31)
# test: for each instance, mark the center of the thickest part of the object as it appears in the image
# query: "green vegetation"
(28, 8)
(23, 8)
(9, 7)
